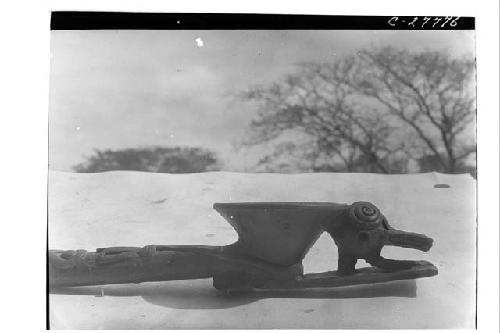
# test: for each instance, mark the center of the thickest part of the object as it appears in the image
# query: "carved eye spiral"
(364, 215)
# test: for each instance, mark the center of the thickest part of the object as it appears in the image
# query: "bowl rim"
(278, 204)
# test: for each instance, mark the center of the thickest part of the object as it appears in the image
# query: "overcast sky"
(124, 89)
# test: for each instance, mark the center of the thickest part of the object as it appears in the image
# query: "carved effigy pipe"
(273, 240)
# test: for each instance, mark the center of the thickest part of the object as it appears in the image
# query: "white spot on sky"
(171, 136)
(77, 128)
(199, 42)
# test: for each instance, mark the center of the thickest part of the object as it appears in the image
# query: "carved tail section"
(131, 265)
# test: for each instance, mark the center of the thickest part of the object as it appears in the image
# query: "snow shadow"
(200, 294)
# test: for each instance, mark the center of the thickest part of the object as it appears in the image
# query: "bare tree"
(371, 112)
(429, 92)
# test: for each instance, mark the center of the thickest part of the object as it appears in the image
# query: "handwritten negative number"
(448, 20)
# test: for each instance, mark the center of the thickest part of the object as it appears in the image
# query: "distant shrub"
(151, 159)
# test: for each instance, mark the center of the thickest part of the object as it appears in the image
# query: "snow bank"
(134, 208)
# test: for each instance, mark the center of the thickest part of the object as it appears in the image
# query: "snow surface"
(136, 209)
